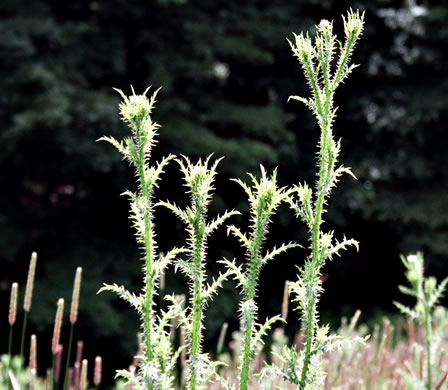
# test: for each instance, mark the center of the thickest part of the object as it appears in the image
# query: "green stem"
(428, 335)
(195, 335)
(9, 354)
(198, 247)
(69, 352)
(22, 342)
(149, 293)
(248, 324)
(316, 263)
(249, 318)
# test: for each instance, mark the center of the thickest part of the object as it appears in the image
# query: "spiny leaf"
(183, 215)
(131, 298)
(261, 332)
(187, 268)
(118, 145)
(276, 251)
(217, 283)
(240, 235)
(338, 246)
(219, 220)
(167, 259)
(438, 293)
(236, 271)
(406, 310)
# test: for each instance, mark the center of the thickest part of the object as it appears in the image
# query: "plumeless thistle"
(264, 198)
(304, 369)
(427, 294)
(156, 364)
(199, 180)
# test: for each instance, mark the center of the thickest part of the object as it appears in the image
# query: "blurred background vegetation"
(226, 70)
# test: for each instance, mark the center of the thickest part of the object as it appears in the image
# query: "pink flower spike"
(324, 21)
(33, 354)
(13, 304)
(83, 380)
(57, 326)
(75, 296)
(77, 374)
(79, 348)
(30, 283)
(97, 371)
(58, 361)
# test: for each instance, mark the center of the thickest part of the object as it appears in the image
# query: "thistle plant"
(264, 198)
(157, 362)
(323, 77)
(199, 180)
(427, 293)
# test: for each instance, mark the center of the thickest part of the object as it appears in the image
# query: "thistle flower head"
(13, 304)
(75, 297)
(135, 109)
(57, 326)
(325, 26)
(30, 283)
(199, 178)
(354, 24)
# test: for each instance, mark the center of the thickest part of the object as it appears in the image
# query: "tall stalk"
(199, 180)
(427, 294)
(27, 302)
(73, 318)
(156, 364)
(323, 78)
(264, 198)
(12, 316)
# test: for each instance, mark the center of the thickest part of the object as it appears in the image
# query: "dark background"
(226, 70)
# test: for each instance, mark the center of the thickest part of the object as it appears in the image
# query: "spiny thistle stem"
(27, 301)
(316, 61)
(428, 294)
(264, 198)
(73, 318)
(136, 111)
(199, 180)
